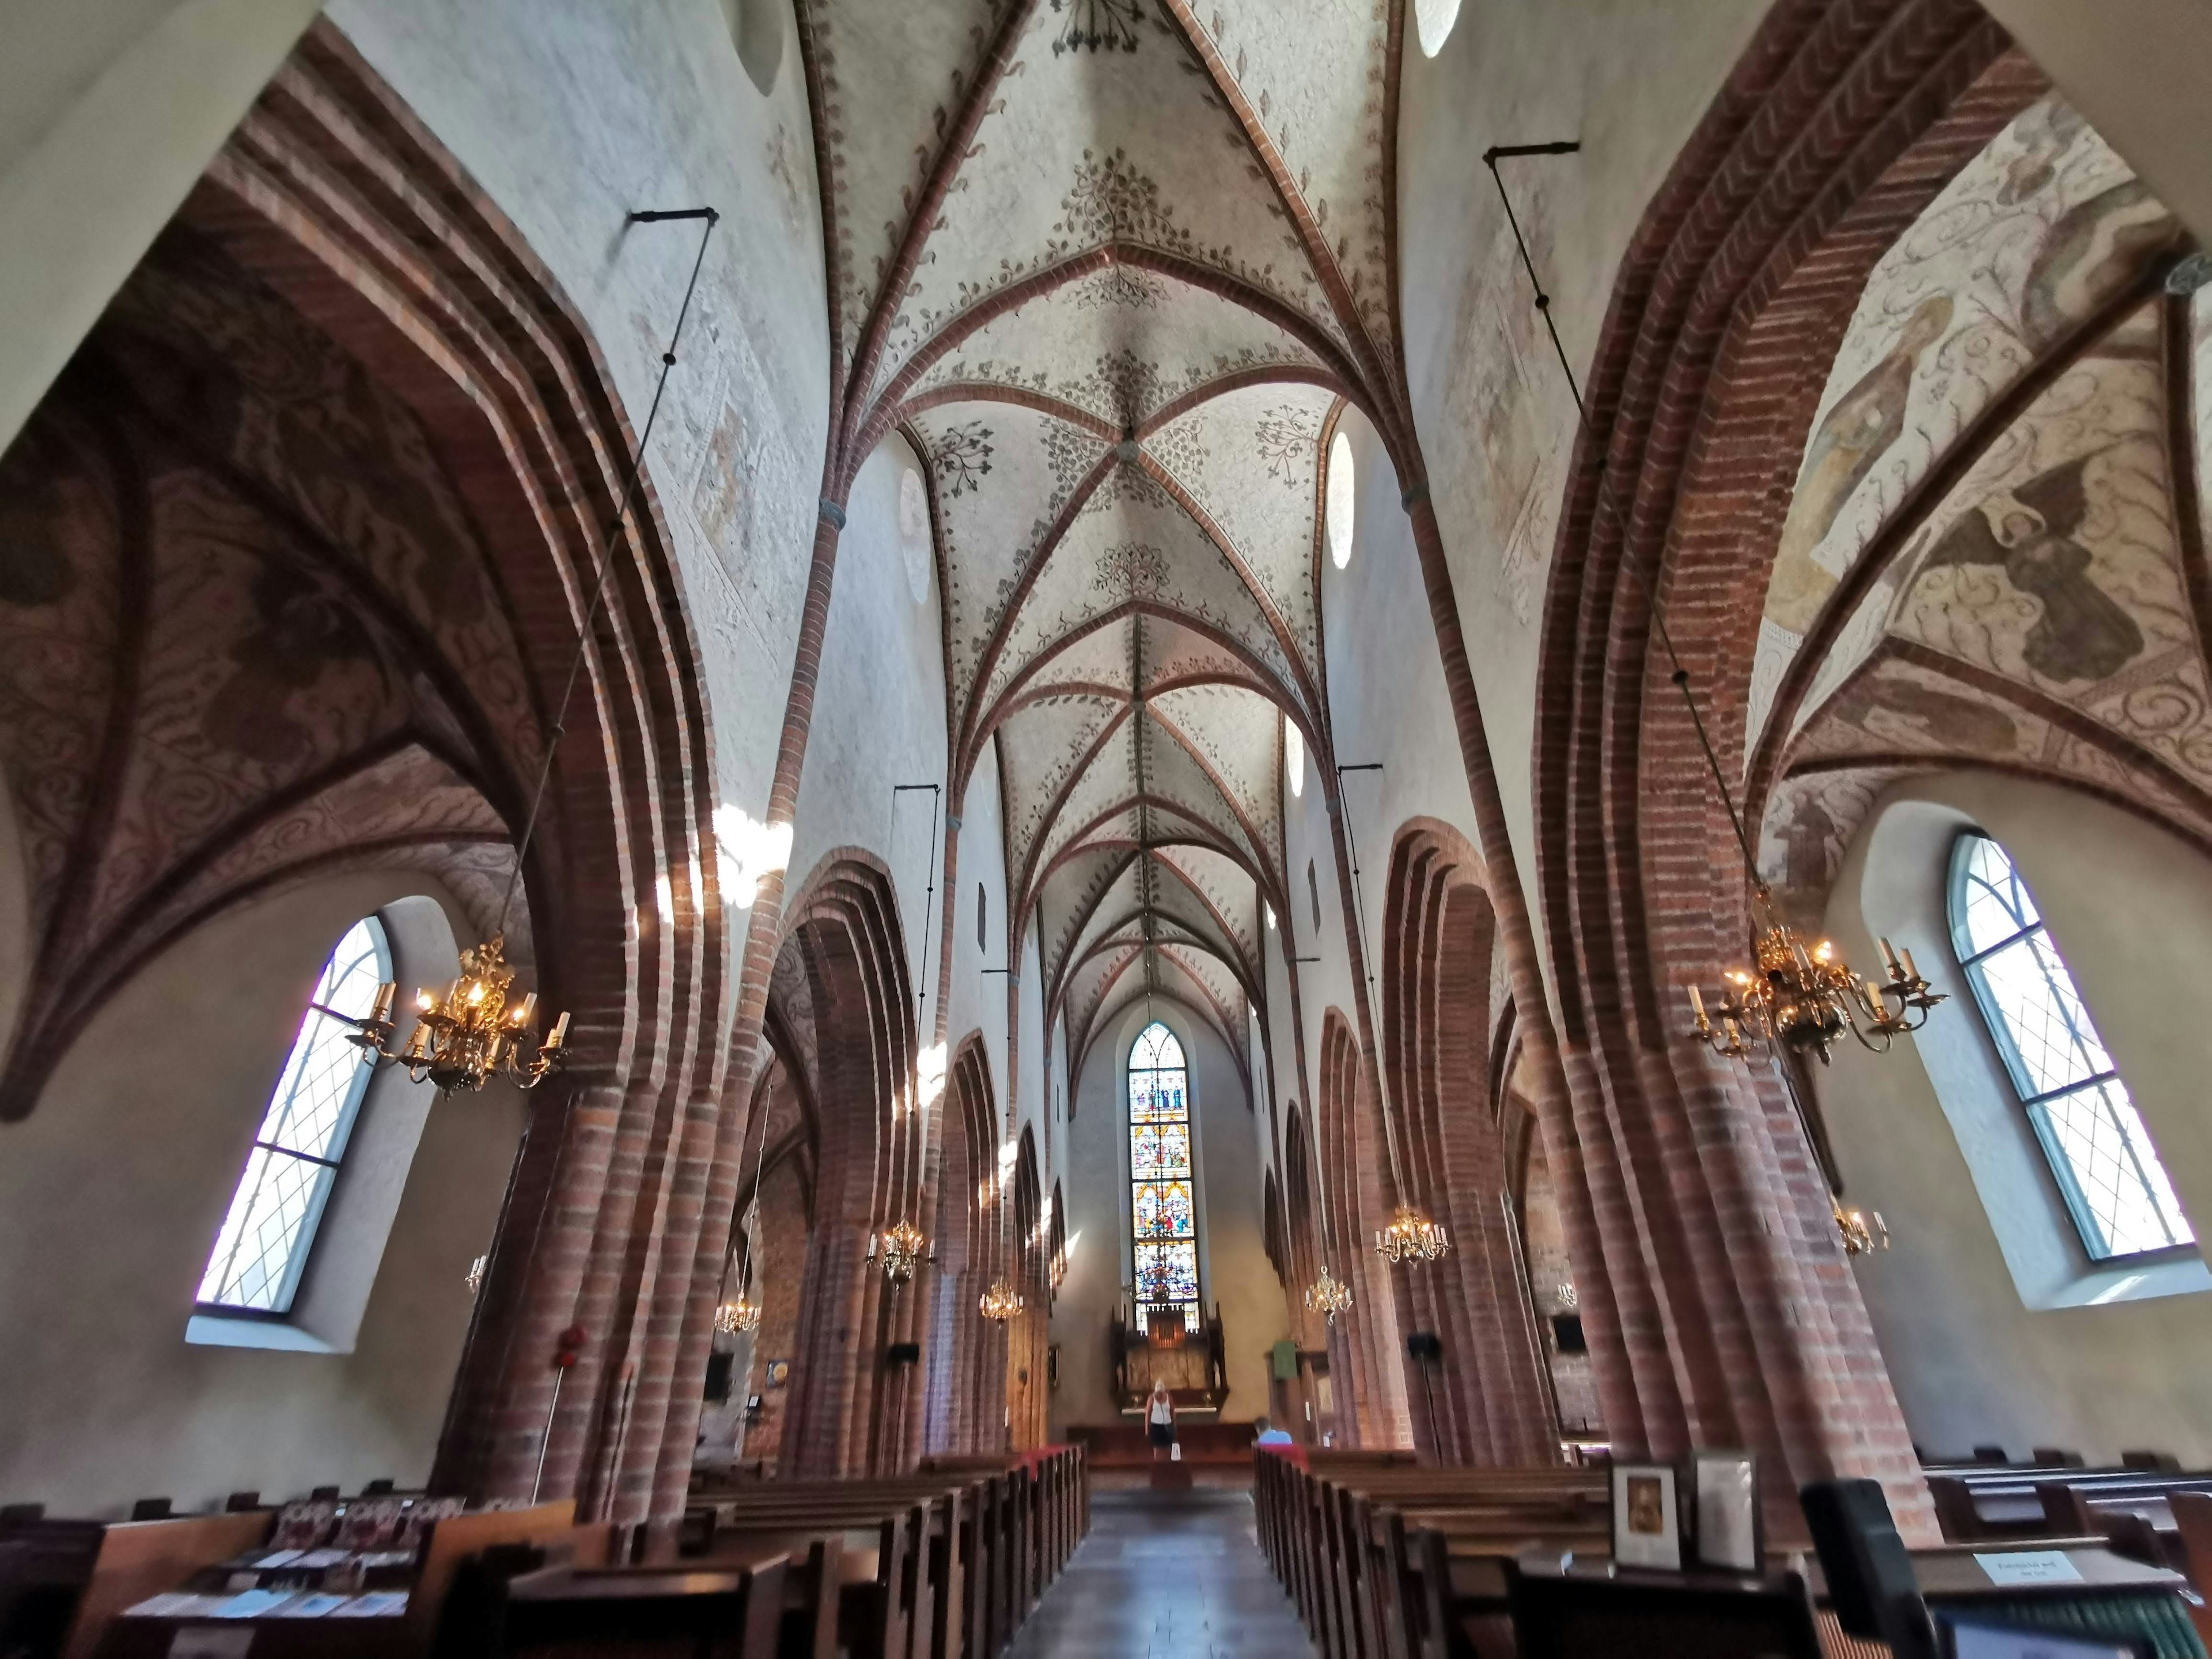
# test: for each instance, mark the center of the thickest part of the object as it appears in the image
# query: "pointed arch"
(1490, 1406)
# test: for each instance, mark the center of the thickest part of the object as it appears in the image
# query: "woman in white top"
(1160, 1419)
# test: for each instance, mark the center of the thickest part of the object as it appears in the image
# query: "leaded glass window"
(1162, 1206)
(263, 1247)
(2114, 1185)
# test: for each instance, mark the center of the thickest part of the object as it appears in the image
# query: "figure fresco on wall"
(300, 629)
(2082, 633)
(2089, 255)
(2032, 238)
(1857, 433)
(1898, 709)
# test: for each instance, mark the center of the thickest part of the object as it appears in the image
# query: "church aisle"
(1166, 1576)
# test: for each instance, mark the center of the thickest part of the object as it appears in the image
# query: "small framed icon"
(1728, 1533)
(778, 1371)
(1647, 1516)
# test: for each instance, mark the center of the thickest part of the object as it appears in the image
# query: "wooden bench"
(945, 1562)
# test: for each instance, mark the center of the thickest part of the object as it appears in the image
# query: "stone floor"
(1165, 1576)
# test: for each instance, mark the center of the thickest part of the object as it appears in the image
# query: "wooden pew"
(2128, 1505)
(1340, 1538)
(965, 1546)
(732, 1608)
(139, 1559)
(902, 1555)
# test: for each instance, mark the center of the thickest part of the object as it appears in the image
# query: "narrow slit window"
(1163, 1190)
(2115, 1186)
(263, 1248)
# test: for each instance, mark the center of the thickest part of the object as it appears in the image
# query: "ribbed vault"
(1112, 268)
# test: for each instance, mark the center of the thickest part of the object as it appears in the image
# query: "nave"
(1163, 1574)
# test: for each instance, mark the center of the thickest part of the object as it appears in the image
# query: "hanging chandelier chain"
(468, 1035)
(636, 471)
(1793, 999)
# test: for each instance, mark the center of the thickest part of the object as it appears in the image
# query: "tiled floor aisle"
(1170, 1576)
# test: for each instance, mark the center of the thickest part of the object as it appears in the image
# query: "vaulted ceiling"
(1112, 266)
(1995, 553)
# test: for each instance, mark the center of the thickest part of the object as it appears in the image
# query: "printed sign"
(2030, 1567)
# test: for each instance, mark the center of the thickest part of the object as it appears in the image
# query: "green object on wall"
(1285, 1356)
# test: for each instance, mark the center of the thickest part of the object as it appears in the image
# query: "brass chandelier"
(1411, 1237)
(1328, 1296)
(1001, 1301)
(1797, 999)
(1803, 999)
(902, 1248)
(743, 1315)
(467, 1035)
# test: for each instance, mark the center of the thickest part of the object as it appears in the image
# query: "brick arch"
(964, 1390)
(1357, 1197)
(1714, 1294)
(1302, 1248)
(841, 976)
(1272, 1235)
(441, 482)
(1024, 1265)
(1484, 1401)
(773, 1245)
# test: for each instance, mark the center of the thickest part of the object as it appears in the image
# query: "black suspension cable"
(606, 559)
(1679, 676)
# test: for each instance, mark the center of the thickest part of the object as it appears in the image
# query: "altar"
(1192, 1361)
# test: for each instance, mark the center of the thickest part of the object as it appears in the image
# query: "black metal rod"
(662, 216)
(1498, 153)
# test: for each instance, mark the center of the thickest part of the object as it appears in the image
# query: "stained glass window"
(263, 1244)
(1162, 1204)
(2114, 1185)
(1158, 1150)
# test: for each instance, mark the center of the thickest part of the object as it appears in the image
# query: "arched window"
(1162, 1204)
(1432, 21)
(2117, 1190)
(1343, 501)
(265, 1238)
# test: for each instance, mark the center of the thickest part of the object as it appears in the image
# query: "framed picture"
(1647, 1516)
(1728, 1531)
(777, 1371)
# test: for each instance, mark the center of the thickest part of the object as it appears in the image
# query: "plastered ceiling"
(1113, 266)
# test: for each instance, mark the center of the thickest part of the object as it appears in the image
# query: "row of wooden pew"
(1389, 1560)
(2139, 1508)
(944, 1564)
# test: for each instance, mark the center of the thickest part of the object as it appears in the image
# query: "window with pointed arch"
(2110, 1175)
(266, 1236)
(1163, 1204)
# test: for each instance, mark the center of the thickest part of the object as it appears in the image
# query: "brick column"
(700, 1289)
